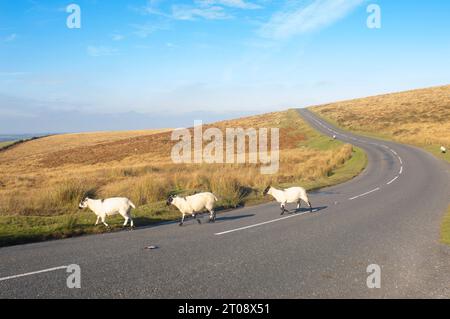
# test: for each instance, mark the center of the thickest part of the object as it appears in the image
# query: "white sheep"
(109, 207)
(443, 150)
(191, 205)
(290, 195)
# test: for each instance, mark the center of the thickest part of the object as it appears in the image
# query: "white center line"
(393, 180)
(371, 143)
(367, 193)
(264, 223)
(33, 273)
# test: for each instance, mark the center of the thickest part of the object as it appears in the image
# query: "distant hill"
(18, 137)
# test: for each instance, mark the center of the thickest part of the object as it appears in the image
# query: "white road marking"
(33, 273)
(371, 143)
(263, 223)
(393, 180)
(366, 193)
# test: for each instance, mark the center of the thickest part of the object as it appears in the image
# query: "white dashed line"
(393, 180)
(264, 223)
(367, 193)
(33, 273)
(371, 143)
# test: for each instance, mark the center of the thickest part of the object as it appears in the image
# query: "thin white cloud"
(97, 51)
(298, 18)
(239, 4)
(183, 12)
(10, 37)
(199, 9)
(144, 30)
(117, 37)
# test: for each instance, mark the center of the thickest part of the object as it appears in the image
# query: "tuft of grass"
(445, 228)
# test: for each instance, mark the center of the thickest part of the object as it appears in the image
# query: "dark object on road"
(152, 247)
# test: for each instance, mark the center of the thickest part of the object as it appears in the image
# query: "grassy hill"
(42, 181)
(418, 117)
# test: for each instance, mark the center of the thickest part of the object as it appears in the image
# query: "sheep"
(191, 205)
(109, 207)
(290, 195)
(443, 150)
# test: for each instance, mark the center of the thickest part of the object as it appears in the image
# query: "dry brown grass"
(419, 117)
(42, 181)
(53, 173)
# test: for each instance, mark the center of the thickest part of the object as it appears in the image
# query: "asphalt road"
(389, 216)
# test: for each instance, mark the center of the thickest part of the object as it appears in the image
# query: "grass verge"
(445, 228)
(6, 144)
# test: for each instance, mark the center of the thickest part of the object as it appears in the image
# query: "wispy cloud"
(298, 18)
(199, 9)
(97, 51)
(184, 12)
(10, 37)
(13, 73)
(240, 4)
(144, 30)
(117, 37)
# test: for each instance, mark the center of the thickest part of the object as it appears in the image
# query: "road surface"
(388, 216)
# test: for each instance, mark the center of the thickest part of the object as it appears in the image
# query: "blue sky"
(181, 59)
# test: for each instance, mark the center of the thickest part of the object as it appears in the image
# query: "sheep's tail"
(131, 204)
(215, 198)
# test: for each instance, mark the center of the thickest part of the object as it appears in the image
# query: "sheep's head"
(169, 200)
(267, 190)
(83, 203)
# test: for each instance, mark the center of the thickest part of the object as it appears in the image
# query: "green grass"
(6, 144)
(16, 230)
(445, 228)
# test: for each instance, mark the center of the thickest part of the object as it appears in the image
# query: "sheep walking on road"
(109, 207)
(290, 195)
(191, 205)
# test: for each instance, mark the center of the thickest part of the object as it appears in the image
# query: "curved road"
(389, 216)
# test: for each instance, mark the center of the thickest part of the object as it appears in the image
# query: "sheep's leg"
(282, 208)
(131, 223)
(299, 204)
(212, 216)
(182, 220)
(195, 217)
(104, 222)
(98, 220)
(126, 222)
(310, 206)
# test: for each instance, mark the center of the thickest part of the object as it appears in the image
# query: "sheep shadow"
(227, 218)
(304, 210)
